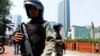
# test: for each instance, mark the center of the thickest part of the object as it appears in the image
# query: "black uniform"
(38, 31)
(59, 46)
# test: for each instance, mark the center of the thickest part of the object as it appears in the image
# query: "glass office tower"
(64, 16)
(17, 21)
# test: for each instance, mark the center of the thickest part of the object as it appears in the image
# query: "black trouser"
(34, 54)
(59, 49)
(16, 49)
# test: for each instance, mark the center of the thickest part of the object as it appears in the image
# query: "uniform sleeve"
(49, 33)
(50, 42)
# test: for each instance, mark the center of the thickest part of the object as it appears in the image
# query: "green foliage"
(88, 40)
(70, 40)
(84, 40)
(5, 21)
(4, 8)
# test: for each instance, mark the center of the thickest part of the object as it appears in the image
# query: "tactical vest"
(58, 36)
(37, 34)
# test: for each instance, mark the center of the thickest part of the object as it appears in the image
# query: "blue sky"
(82, 12)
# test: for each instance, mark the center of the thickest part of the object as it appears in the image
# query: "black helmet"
(55, 27)
(59, 25)
(35, 3)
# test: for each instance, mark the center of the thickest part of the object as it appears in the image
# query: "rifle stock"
(26, 42)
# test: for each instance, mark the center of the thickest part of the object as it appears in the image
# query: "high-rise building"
(17, 21)
(64, 16)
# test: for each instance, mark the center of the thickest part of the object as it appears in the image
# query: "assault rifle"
(26, 42)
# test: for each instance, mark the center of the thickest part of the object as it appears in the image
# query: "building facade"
(17, 21)
(97, 32)
(79, 32)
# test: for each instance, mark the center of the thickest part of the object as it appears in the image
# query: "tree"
(4, 24)
(4, 8)
(4, 13)
(5, 21)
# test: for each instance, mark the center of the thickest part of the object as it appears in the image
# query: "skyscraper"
(64, 16)
(17, 21)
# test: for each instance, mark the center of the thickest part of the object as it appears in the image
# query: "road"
(9, 52)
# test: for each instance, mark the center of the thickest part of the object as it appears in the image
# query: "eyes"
(32, 8)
